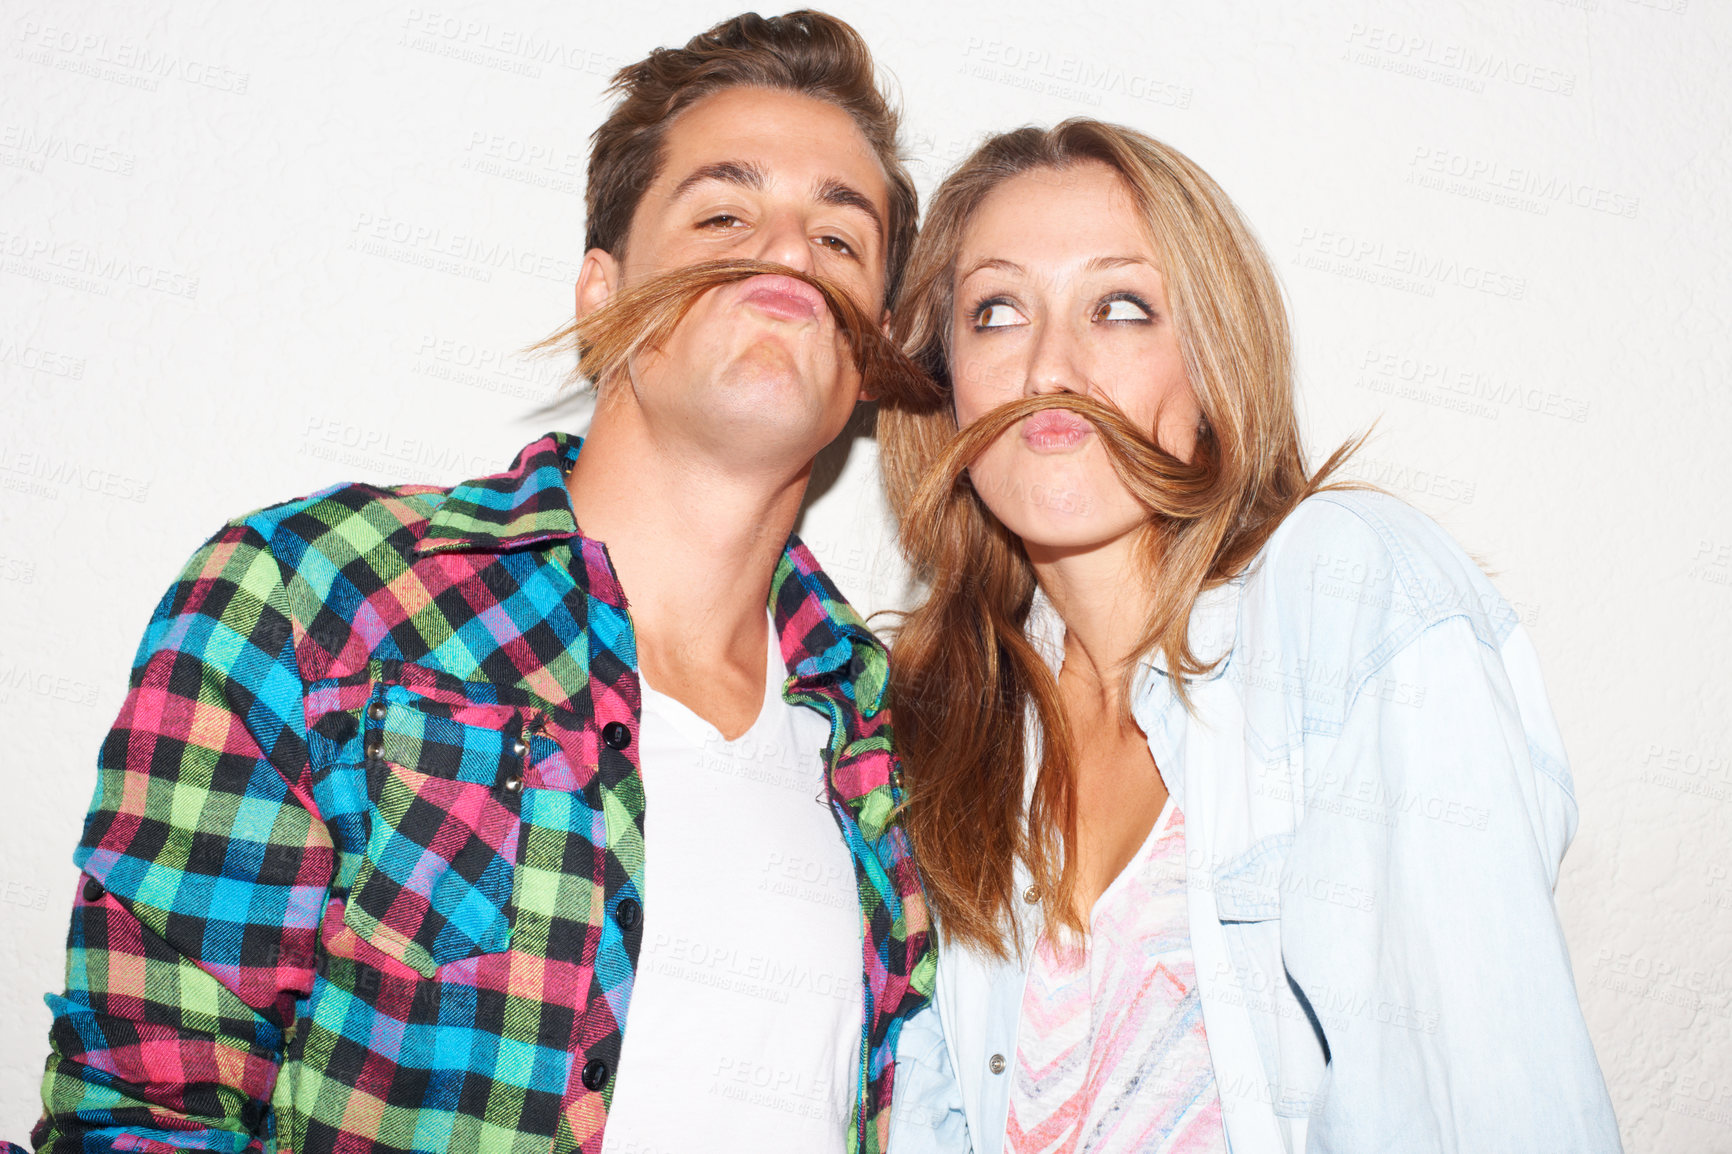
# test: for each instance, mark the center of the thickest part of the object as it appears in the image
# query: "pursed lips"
(783, 297)
(1054, 430)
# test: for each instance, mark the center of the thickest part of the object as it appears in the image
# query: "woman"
(1236, 793)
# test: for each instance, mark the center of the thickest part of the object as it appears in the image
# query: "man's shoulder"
(340, 524)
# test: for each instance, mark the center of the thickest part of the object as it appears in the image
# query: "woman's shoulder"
(1373, 565)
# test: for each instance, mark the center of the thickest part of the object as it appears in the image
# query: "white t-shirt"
(744, 1028)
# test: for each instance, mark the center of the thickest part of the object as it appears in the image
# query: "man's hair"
(806, 52)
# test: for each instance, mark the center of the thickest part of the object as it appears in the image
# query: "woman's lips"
(1054, 430)
(783, 297)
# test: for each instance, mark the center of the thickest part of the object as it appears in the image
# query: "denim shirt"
(1376, 802)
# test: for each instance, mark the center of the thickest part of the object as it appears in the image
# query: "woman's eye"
(1121, 309)
(996, 315)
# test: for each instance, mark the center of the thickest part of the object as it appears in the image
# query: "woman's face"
(1059, 290)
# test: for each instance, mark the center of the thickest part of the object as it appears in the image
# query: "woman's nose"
(1052, 366)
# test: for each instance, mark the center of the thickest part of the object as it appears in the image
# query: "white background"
(247, 251)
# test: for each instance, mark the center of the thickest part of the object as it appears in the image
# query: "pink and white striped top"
(1111, 1055)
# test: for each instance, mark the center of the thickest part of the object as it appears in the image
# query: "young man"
(420, 796)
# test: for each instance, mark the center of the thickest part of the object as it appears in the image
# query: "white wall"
(249, 250)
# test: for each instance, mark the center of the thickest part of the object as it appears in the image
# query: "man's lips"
(1052, 430)
(783, 297)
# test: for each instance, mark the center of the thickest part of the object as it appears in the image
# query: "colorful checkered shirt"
(365, 866)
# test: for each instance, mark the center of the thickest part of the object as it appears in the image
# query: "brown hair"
(641, 316)
(964, 678)
(807, 52)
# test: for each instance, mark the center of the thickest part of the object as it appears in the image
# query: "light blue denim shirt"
(1376, 801)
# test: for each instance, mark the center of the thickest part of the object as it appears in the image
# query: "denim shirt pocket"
(1248, 903)
(444, 775)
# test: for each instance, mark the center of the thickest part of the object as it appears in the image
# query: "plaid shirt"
(365, 865)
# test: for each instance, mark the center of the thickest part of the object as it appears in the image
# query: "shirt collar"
(823, 641)
(525, 505)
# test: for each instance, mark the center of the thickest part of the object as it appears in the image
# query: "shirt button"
(1031, 895)
(376, 711)
(616, 735)
(513, 783)
(594, 1074)
(519, 747)
(995, 1064)
(373, 748)
(628, 913)
(93, 890)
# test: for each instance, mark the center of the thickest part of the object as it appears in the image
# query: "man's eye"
(721, 220)
(836, 243)
(996, 315)
(1121, 309)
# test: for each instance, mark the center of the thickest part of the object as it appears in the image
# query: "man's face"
(758, 368)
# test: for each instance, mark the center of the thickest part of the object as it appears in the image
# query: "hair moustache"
(643, 316)
(1169, 488)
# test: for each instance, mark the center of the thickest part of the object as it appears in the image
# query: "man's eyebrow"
(743, 173)
(835, 192)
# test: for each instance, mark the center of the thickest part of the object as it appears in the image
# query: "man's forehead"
(769, 139)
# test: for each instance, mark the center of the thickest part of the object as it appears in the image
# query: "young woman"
(1237, 795)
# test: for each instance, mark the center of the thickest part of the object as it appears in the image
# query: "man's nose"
(782, 240)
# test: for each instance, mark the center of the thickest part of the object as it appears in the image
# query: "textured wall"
(249, 250)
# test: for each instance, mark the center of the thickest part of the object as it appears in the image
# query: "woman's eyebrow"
(1105, 262)
(994, 262)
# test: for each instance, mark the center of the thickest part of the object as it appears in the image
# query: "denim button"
(616, 734)
(996, 1064)
(594, 1074)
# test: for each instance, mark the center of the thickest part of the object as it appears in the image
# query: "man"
(420, 796)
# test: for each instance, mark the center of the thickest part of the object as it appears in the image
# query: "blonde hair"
(963, 676)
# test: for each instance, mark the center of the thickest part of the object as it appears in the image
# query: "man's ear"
(866, 393)
(597, 280)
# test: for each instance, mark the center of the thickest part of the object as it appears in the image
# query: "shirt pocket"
(1289, 1039)
(444, 779)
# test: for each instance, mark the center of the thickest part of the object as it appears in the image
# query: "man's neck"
(694, 542)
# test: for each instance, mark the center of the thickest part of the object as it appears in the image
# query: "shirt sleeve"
(205, 869)
(926, 1112)
(1445, 999)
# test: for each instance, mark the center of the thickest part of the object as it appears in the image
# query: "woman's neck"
(1103, 597)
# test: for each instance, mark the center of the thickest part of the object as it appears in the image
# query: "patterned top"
(365, 861)
(1111, 1055)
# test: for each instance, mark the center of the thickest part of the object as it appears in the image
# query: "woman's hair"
(964, 679)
